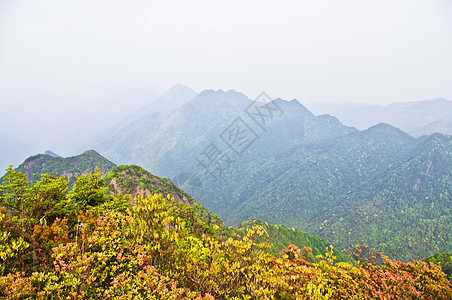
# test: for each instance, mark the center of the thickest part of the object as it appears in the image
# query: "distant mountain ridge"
(173, 98)
(51, 153)
(416, 118)
(168, 128)
(298, 169)
(66, 121)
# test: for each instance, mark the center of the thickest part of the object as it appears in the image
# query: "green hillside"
(303, 171)
(86, 162)
(444, 260)
(68, 245)
(405, 211)
(135, 181)
(280, 237)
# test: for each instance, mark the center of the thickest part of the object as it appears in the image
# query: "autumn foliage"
(150, 251)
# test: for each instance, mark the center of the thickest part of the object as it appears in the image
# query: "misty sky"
(362, 51)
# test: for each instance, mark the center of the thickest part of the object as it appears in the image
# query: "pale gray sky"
(319, 50)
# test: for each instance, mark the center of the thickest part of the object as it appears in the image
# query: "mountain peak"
(178, 88)
(173, 98)
(231, 96)
(384, 127)
(89, 152)
(384, 131)
(293, 106)
(177, 95)
(86, 162)
(51, 153)
(220, 92)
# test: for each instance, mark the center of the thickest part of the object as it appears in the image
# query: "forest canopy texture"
(85, 243)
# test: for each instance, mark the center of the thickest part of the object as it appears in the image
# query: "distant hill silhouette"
(415, 118)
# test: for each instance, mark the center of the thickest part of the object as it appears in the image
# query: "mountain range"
(415, 118)
(140, 237)
(273, 160)
(279, 162)
(135, 182)
(71, 122)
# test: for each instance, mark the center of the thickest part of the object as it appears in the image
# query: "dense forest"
(378, 186)
(53, 165)
(88, 242)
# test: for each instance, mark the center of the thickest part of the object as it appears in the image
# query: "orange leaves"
(139, 256)
(303, 257)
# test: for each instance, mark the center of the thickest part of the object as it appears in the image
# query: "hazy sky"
(369, 51)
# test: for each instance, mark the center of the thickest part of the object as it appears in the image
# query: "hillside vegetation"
(88, 244)
(87, 162)
(379, 186)
(135, 181)
(444, 260)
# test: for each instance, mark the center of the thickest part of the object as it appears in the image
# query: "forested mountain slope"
(405, 210)
(280, 163)
(135, 181)
(86, 162)
(90, 244)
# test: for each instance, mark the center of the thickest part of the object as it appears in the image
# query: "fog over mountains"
(226, 149)
(415, 118)
(271, 159)
(301, 170)
(67, 123)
